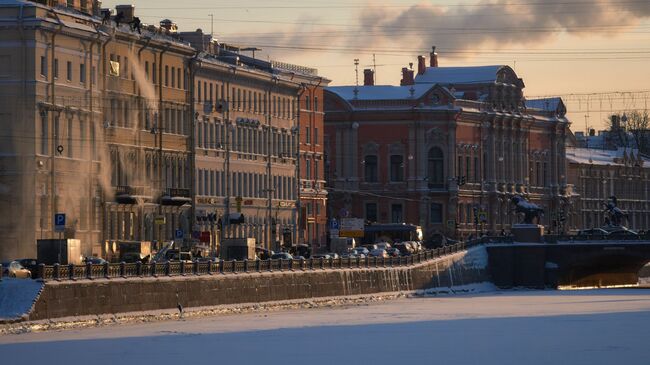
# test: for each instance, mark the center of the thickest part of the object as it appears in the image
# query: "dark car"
(593, 232)
(404, 248)
(95, 260)
(281, 255)
(393, 252)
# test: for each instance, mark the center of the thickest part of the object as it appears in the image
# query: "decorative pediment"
(435, 135)
(396, 148)
(370, 148)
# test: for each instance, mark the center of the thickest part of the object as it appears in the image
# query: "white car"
(379, 252)
(383, 245)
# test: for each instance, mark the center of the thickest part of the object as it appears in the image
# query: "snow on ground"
(503, 327)
(17, 297)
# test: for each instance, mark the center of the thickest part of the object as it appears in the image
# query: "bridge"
(591, 263)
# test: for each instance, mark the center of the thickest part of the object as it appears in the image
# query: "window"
(307, 102)
(315, 103)
(56, 68)
(435, 168)
(126, 67)
(371, 212)
(82, 73)
(44, 135)
(43, 66)
(173, 76)
(370, 168)
(468, 167)
(153, 72)
(476, 170)
(435, 215)
(396, 168)
(146, 69)
(178, 77)
(308, 135)
(545, 176)
(459, 167)
(316, 135)
(308, 169)
(69, 146)
(396, 213)
(315, 169)
(198, 91)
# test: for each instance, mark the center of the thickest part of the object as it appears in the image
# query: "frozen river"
(507, 327)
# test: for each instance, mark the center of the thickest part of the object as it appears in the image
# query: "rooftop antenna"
(356, 69)
(374, 67)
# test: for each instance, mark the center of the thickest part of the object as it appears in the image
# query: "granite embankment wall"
(94, 297)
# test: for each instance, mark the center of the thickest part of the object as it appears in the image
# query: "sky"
(593, 53)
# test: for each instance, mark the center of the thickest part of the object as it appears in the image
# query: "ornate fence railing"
(221, 267)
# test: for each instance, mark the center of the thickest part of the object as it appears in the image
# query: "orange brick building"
(445, 150)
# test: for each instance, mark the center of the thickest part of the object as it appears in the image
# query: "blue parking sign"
(59, 222)
(178, 233)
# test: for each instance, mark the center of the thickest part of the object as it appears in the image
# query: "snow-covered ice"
(503, 327)
(17, 296)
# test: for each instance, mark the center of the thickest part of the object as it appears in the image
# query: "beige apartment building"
(137, 133)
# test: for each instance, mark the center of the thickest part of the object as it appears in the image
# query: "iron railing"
(221, 267)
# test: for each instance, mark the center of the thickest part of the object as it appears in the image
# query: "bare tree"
(637, 124)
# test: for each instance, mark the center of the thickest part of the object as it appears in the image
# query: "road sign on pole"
(178, 234)
(59, 222)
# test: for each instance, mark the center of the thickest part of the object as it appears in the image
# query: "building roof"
(459, 75)
(592, 156)
(546, 104)
(380, 92)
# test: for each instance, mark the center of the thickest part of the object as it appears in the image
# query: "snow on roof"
(459, 75)
(602, 157)
(546, 104)
(380, 92)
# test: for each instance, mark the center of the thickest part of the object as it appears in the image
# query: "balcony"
(176, 197)
(126, 194)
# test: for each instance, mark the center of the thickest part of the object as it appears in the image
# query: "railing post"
(138, 268)
(221, 266)
(302, 264)
(55, 271)
(195, 267)
(107, 270)
(246, 266)
(280, 261)
(258, 265)
(234, 263)
(41, 271)
(182, 268)
(210, 267)
(89, 270)
(71, 271)
(123, 269)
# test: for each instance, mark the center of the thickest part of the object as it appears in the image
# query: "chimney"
(127, 12)
(407, 77)
(422, 65)
(368, 77)
(434, 57)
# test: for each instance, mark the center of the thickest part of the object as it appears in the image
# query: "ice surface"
(17, 297)
(505, 327)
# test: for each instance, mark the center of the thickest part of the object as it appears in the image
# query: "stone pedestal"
(529, 233)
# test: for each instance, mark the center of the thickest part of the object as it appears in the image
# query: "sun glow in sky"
(597, 49)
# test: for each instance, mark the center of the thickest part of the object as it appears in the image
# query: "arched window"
(435, 168)
(396, 168)
(370, 168)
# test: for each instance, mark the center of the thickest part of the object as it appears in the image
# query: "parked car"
(404, 248)
(379, 252)
(173, 255)
(282, 256)
(393, 252)
(623, 233)
(593, 232)
(333, 255)
(262, 253)
(14, 269)
(318, 256)
(31, 265)
(95, 260)
(361, 251)
(383, 245)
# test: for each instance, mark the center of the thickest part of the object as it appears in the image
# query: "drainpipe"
(52, 109)
(143, 110)
(160, 136)
(297, 232)
(91, 205)
(146, 44)
(312, 121)
(103, 77)
(192, 67)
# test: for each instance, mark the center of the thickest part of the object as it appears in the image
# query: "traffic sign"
(178, 233)
(59, 222)
(334, 224)
(160, 220)
(482, 216)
